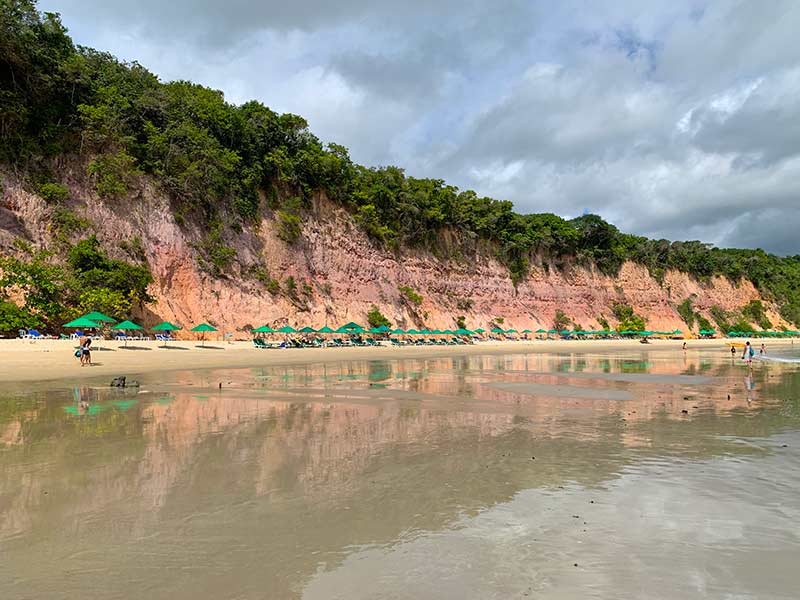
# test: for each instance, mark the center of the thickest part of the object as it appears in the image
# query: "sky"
(669, 118)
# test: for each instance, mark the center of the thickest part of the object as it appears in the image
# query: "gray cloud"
(672, 119)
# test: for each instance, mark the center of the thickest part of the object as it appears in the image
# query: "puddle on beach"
(639, 475)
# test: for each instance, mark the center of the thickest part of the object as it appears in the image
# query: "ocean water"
(633, 475)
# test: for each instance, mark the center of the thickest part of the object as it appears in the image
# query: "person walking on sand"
(684, 345)
(762, 350)
(748, 355)
(86, 353)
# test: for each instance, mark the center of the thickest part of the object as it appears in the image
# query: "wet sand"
(409, 478)
(22, 360)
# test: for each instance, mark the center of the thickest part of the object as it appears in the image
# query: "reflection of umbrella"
(127, 326)
(203, 327)
(165, 326)
(99, 317)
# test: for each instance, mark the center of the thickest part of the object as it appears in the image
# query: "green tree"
(13, 318)
(561, 321)
(376, 319)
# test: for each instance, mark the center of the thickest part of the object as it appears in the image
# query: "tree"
(376, 319)
(627, 319)
(561, 321)
(13, 318)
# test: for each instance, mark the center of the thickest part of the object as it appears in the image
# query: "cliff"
(339, 273)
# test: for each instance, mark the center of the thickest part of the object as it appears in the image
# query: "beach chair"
(259, 343)
(121, 337)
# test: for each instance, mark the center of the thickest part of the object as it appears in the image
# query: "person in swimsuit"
(748, 355)
(86, 353)
(762, 350)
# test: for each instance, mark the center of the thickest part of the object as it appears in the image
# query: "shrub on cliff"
(408, 294)
(561, 321)
(754, 311)
(627, 319)
(375, 318)
(53, 193)
(686, 311)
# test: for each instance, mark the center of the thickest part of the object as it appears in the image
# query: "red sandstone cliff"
(340, 273)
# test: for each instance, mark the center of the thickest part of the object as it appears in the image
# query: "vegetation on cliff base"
(215, 158)
(54, 293)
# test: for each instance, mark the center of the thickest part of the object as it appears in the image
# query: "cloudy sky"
(677, 119)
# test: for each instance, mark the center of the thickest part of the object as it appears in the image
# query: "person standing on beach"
(762, 350)
(748, 355)
(86, 353)
(684, 345)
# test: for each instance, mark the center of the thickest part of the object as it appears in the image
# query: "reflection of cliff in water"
(318, 457)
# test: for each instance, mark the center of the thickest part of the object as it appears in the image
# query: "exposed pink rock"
(347, 273)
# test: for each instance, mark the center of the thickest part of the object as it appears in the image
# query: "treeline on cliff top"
(214, 159)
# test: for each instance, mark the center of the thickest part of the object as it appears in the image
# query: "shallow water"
(569, 476)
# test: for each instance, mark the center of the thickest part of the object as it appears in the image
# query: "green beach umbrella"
(541, 331)
(527, 331)
(462, 331)
(308, 329)
(350, 327)
(202, 328)
(325, 329)
(511, 331)
(81, 322)
(264, 329)
(165, 326)
(99, 317)
(398, 331)
(127, 326)
(287, 329)
(480, 330)
(497, 330)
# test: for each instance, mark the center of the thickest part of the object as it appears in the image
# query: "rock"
(684, 411)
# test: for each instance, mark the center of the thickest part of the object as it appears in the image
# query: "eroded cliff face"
(340, 273)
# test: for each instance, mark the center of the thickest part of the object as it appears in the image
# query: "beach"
(499, 470)
(41, 360)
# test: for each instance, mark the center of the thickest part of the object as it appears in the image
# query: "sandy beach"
(42, 360)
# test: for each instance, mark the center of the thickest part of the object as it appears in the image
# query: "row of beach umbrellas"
(97, 320)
